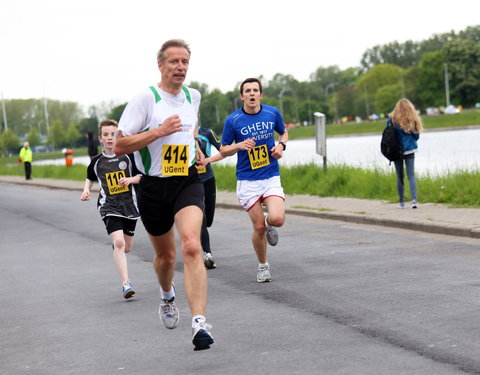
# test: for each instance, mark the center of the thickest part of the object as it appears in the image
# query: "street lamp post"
(447, 89)
(280, 96)
(4, 113)
(402, 83)
(367, 107)
(335, 107)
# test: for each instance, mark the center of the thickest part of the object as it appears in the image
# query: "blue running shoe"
(128, 290)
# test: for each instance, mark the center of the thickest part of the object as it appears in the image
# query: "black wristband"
(283, 144)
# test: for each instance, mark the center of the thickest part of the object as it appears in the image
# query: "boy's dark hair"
(107, 123)
(250, 80)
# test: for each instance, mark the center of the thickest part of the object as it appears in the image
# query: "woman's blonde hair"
(405, 115)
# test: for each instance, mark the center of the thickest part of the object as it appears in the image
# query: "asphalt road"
(345, 298)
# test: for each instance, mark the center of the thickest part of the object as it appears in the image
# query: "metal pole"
(447, 90)
(284, 89)
(46, 115)
(402, 83)
(366, 103)
(4, 113)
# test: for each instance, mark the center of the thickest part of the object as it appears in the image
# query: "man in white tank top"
(160, 125)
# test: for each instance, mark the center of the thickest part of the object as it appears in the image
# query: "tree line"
(419, 71)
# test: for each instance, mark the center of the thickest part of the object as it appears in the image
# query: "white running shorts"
(250, 192)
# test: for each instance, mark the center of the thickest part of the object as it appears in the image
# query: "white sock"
(167, 295)
(263, 265)
(197, 319)
(266, 222)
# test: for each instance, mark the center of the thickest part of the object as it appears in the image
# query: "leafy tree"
(23, 114)
(116, 112)
(411, 88)
(280, 85)
(72, 136)
(409, 53)
(386, 97)
(88, 124)
(401, 54)
(431, 80)
(33, 137)
(57, 135)
(202, 87)
(214, 108)
(64, 112)
(9, 141)
(471, 33)
(345, 101)
(379, 76)
(463, 58)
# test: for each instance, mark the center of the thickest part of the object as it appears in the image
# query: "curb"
(452, 230)
(446, 228)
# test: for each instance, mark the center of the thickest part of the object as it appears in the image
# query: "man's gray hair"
(172, 43)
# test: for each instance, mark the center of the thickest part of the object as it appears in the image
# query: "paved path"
(432, 218)
(346, 298)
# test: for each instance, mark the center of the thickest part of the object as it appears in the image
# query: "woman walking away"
(408, 127)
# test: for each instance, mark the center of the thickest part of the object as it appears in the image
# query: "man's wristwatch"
(283, 144)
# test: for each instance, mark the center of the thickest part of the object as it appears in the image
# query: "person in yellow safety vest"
(26, 157)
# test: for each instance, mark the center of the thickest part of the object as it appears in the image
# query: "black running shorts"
(114, 223)
(159, 199)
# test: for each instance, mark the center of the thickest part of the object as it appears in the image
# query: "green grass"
(75, 172)
(456, 189)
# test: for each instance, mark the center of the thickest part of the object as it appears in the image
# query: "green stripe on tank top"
(146, 157)
(187, 94)
(155, 94)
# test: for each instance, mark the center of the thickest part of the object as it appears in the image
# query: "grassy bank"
(457, 189)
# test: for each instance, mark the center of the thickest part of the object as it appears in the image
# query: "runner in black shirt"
(117, 202)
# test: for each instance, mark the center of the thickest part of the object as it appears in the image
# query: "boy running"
(117, 202)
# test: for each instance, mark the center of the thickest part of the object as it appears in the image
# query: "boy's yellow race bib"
(113, 183)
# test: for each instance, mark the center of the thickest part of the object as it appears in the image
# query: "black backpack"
(389, 145)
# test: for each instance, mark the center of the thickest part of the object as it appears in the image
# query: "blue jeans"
(410, 166)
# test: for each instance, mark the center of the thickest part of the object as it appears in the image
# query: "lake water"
(439, 152)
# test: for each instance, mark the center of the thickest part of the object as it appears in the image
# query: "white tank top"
(171, 155)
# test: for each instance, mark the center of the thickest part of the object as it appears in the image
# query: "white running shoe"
(263, 274)
(168, 312)
(202, 337)
(271, 233)
(128, 290)
(209, 261)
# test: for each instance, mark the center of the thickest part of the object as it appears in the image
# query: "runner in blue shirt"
(249, 132)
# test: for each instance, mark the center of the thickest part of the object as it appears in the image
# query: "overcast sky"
(94, 51)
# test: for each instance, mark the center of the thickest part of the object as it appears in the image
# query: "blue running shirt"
(258, 164)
